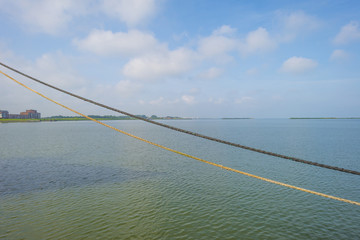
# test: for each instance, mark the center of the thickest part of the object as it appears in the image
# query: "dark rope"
(186, 131)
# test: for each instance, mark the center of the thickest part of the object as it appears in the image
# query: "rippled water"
(78, 180)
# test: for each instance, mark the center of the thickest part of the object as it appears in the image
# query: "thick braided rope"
(187, 155)
(186, 131)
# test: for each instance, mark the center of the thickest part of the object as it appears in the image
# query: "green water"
(78, 180)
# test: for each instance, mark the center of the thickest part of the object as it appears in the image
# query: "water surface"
(79, 180)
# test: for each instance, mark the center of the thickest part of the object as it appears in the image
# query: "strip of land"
(5, 120)
(104, 118)
(76, 118)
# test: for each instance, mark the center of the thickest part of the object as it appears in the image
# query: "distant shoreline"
(99, 118)
(6, 120)
(62, 119)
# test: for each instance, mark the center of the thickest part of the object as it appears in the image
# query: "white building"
(4, 114)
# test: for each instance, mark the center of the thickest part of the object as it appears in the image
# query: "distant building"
(14, 116)
(29, 114)
(4, 114)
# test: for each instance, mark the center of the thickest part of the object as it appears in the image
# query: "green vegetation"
(154, 117)
(102, 118)
(75, 118)
(4, 120)
(97, 117)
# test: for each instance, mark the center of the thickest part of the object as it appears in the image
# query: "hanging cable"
(185, 154)
(186, 131)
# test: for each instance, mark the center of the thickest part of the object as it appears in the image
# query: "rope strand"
(188, 155)
(186, 131)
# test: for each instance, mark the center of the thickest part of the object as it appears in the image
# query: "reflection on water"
(77, 180)
(29, 174)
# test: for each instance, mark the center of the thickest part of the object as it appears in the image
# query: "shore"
(55, 119)
(18, 120)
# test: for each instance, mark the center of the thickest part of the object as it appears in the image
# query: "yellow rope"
(185, 154)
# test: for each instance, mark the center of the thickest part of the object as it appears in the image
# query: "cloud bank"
(298, 65)
(348, 33)
(126, 44)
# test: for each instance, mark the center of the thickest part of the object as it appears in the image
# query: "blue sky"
(261, 59)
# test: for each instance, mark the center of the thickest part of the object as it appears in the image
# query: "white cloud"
(160, 65)
(221, 43)
(127, 44)
(216, 47)
(188, 99)
(301, 21)
(42, 15)
(53, 17)
(224, 30)
(258, 40)
(297, 23)
(132, 12)
(348, 33)
(339, 55)
(56, 69)
(211, 73)
(297, 65)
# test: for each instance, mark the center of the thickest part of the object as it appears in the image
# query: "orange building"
(29, 114)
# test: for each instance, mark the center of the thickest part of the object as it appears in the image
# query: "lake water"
(80, 180)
